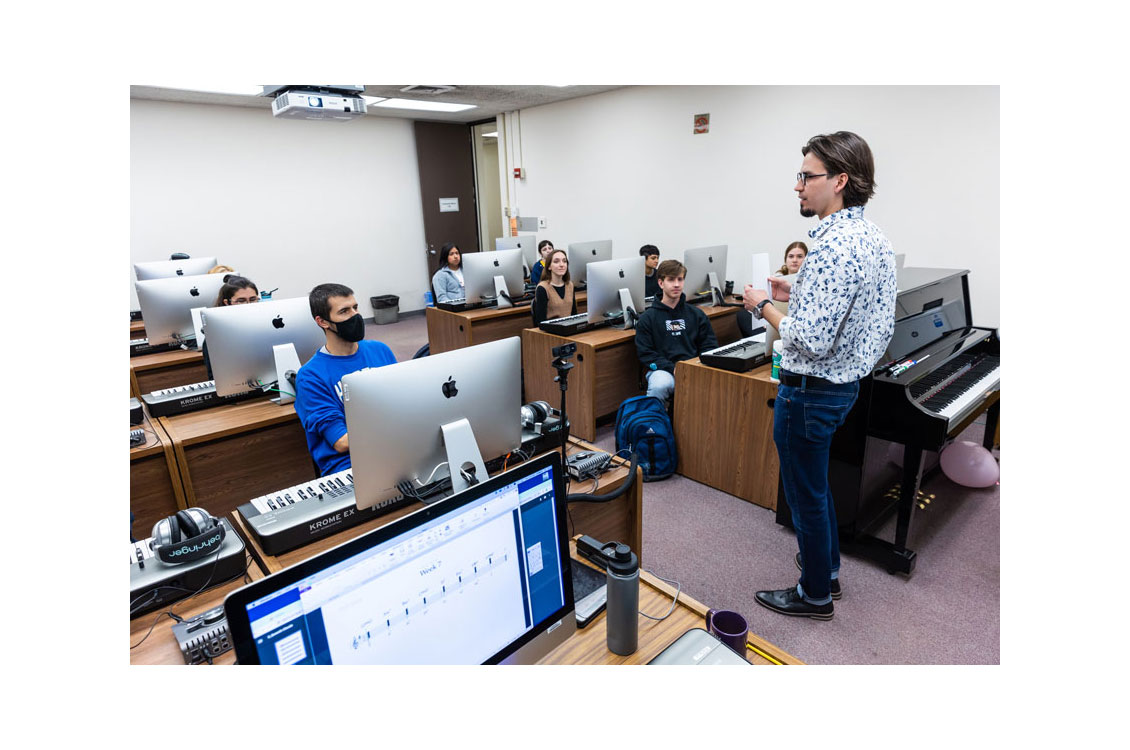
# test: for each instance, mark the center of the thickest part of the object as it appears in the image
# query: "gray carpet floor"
(723, 550)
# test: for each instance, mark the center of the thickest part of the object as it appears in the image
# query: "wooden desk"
(606, 369)
(724, 430)
(617, 520)
(229, 454)
(152, 372)
(161, 645)
(136, 329)
(155, 490)
(455, 330)
(590, 645)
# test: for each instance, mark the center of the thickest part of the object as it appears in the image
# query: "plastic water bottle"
(775, 373)
(623, 605)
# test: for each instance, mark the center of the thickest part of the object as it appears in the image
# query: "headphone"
(534, 412)
(187, 535)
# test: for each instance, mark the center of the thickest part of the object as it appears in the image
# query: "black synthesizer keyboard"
(292, 517)
(138, 347)
(154, 583)
(169, 402)
(740, 356)
(570, 325)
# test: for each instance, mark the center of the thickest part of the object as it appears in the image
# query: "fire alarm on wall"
(519, 173)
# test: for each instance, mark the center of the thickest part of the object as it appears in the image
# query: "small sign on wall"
(448, 204)
(701, 124)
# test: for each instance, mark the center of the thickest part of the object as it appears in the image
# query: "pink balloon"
(969, 464)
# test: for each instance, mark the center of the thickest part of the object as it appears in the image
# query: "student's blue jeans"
(804, 420)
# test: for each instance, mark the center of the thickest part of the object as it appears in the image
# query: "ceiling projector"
(316, 102)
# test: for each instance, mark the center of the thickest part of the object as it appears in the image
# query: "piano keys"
(291, 517)
(570, 325)
(169, 402)
(741, 356)
(154, 584)
(911, 413)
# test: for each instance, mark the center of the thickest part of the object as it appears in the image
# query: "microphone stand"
(562, 364)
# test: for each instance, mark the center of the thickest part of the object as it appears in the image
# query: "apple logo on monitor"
(449, 389)
(621, 273)
(278, 322)
(496, 264)
(180, 272)
(194, 292)
(709, 258)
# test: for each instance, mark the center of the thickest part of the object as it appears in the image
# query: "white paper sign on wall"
(448, 204)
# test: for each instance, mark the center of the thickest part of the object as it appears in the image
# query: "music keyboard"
(139, 347)
(570, 325)
(960, 384)
(154, 584)
(291, 517)
(740, 356)
(169, 402)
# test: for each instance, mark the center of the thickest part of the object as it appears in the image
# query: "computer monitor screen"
(166, 304)
(527, 243)
(163, 269)
(479, 270)
(606, 279)
(241, 341)
(700, 262)
(583, 253)
(481, 577)
(396, 415)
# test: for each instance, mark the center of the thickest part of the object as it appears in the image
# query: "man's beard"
(807, 213)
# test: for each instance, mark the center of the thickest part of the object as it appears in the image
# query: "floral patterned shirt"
(842, 304)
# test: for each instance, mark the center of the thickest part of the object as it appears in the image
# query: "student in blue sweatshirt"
(670, 331)
(318, 398)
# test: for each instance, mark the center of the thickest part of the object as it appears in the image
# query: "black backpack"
(642, 425)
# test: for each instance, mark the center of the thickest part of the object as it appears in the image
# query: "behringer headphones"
(187, 535)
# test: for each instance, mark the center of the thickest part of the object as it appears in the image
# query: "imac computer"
(583, 253)
(166, 305)
(481, 577)
(420, 421)
(706, 272)
(616, 291)
(527, 243)
(163, 269)
(242, 343)
(493, 275)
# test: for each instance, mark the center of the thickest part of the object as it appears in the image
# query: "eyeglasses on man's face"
(804, 177)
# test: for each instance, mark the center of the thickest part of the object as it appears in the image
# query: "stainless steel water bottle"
(623, 600)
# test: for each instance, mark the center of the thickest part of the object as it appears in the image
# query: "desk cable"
(674, 601)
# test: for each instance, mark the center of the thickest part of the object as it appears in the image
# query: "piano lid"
(931, 303)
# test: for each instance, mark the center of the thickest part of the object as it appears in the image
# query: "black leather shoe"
(836, 592)
(788, 602)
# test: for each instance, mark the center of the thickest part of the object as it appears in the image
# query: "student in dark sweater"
(554, 297)
(670, 331)
(650, 255)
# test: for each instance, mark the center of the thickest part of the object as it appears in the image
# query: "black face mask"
(352, 329)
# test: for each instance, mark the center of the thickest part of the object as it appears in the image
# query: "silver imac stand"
(462, 448)
(716, 298)
(286, 360)
(500, 292)
(626, 304)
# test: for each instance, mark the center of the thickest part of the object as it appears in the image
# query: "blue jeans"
(660, 384)
(804, 420)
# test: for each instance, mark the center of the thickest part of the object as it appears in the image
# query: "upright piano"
(938, 375)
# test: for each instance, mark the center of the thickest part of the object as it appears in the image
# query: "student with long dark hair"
(448, 279)
(554, 296)
(237, 290)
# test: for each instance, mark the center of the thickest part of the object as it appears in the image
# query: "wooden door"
(447, 181)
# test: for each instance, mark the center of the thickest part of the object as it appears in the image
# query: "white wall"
(625, 165)
(291, 204)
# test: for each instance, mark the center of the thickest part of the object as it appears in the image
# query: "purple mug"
(728, 627)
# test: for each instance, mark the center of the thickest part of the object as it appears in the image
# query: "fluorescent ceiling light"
(425, 106)
(491, 135)
(237, 89)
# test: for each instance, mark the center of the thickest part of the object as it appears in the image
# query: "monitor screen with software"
(166, 305)
(481, 577)
(700, 262)
(396, 416)
(479, 270)
(241, 341)
(163, 269)
(606, 279)
(527, 243)
(583, 253)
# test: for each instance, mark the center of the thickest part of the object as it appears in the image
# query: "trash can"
(386, 308)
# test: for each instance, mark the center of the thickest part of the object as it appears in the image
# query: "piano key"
(972, 394)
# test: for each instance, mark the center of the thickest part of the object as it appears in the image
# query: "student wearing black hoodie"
(670, 331)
